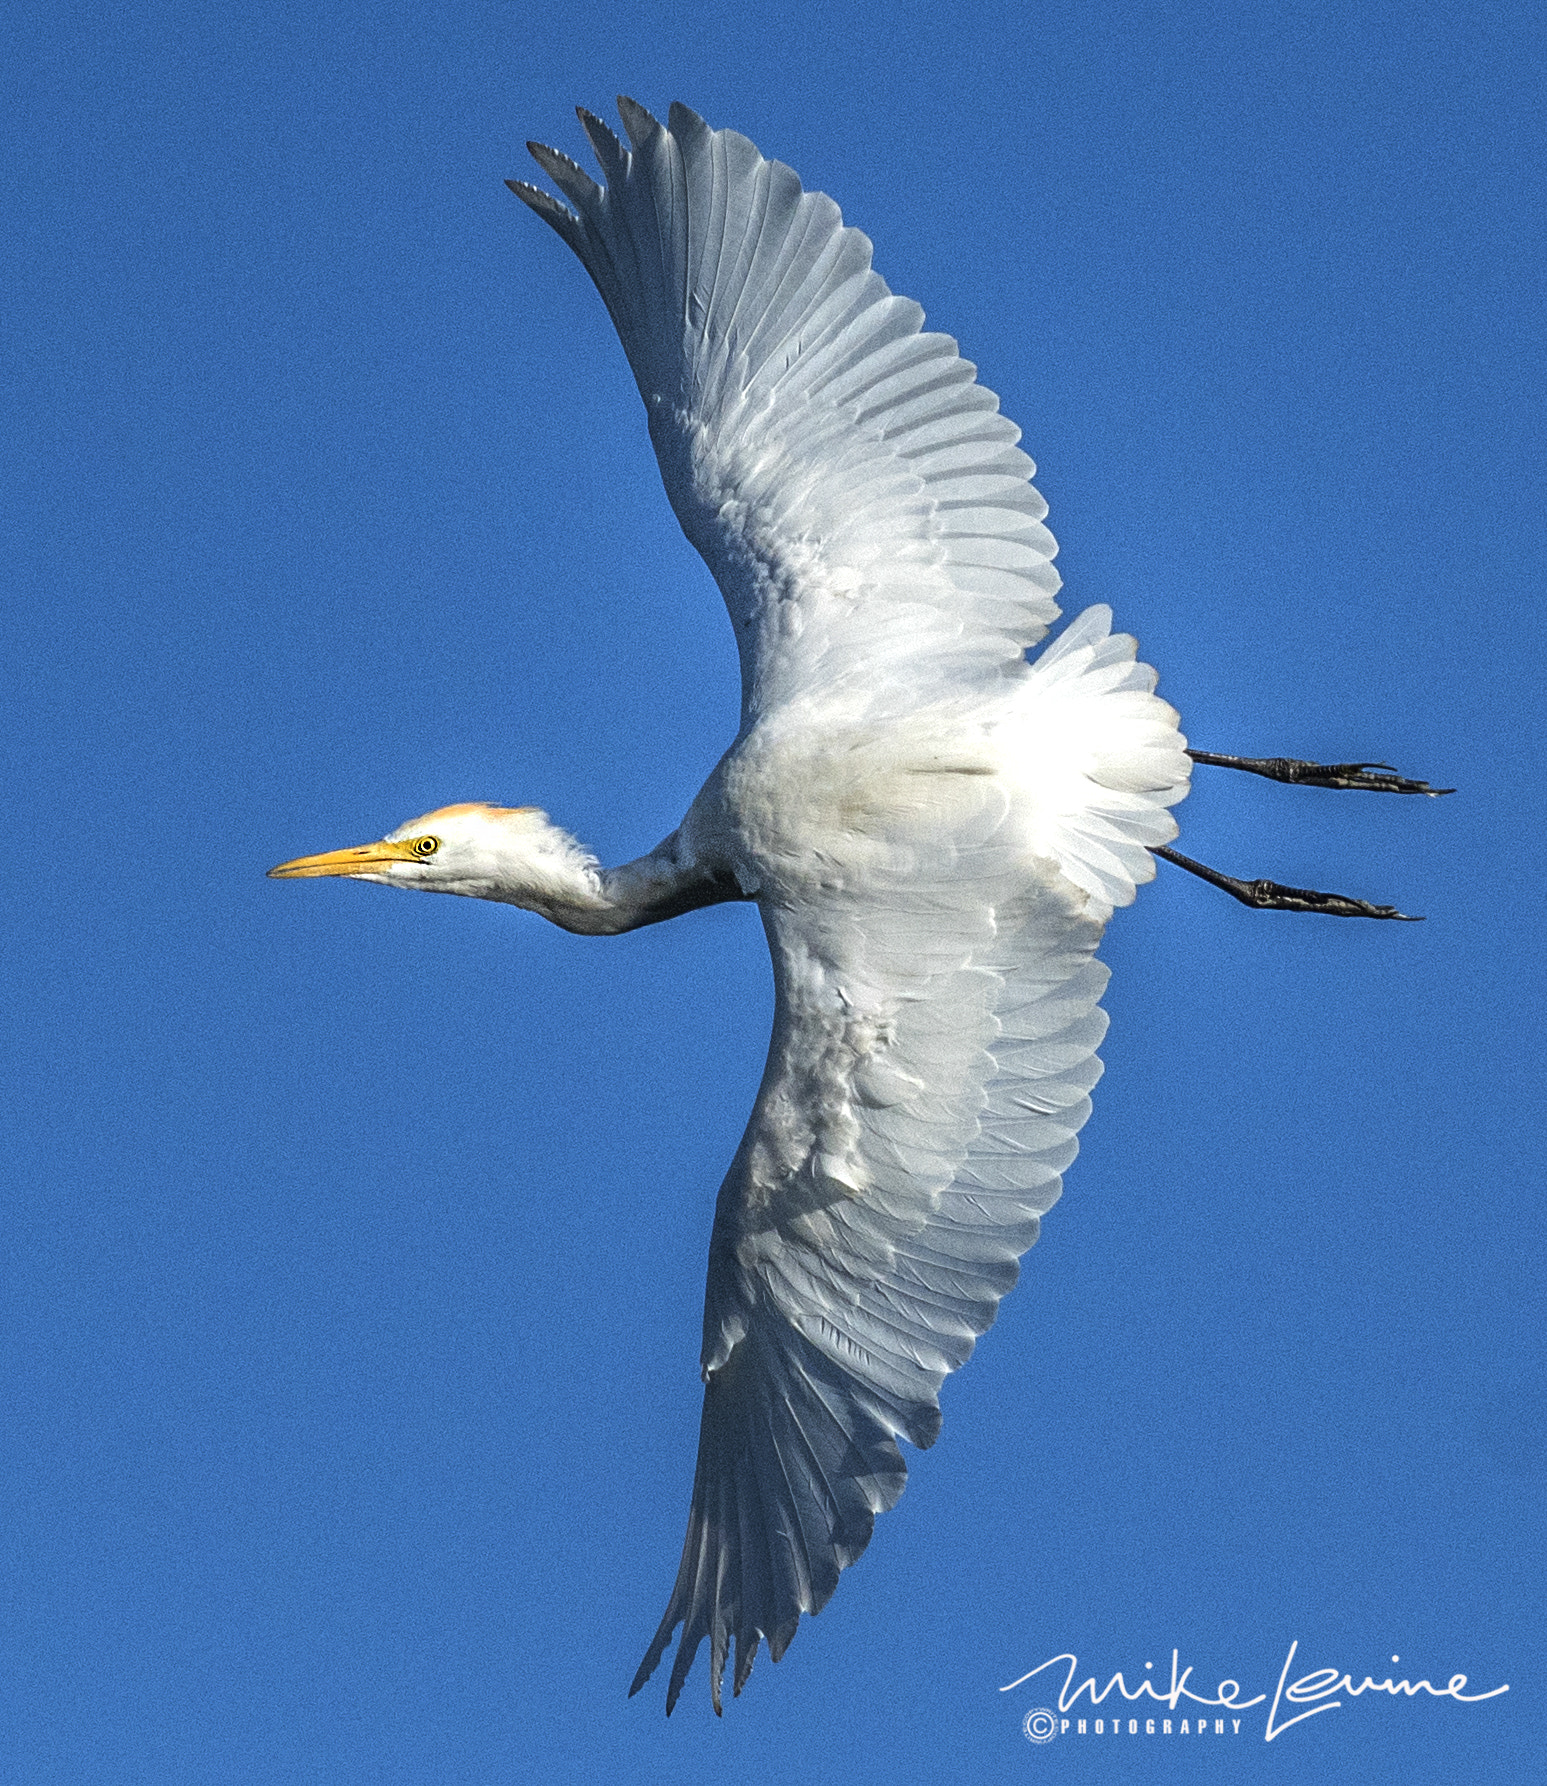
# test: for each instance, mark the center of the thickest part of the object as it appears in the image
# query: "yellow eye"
(426, 846)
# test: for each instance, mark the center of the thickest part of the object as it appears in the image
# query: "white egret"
(934, 829)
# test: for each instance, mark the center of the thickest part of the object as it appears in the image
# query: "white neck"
(556, 877)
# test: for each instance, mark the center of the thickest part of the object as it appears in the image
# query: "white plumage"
(936, 834)
(934, 829)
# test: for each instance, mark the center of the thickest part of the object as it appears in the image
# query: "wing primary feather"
(611, 156)
(639, 124)
(547, 207)
(570, 178)
(657, 163)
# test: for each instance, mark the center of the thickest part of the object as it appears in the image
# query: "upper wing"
(860, 500)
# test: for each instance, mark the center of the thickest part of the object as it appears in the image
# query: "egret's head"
(512, 853)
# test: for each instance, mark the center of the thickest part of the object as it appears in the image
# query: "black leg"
(1379, 778)
(1269, 896)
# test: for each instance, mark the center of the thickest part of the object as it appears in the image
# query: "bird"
(934, 824)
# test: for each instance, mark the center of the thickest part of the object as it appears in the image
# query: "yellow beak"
(369, 858)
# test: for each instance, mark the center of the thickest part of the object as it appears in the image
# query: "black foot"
(1269, 896)
(1379, 778)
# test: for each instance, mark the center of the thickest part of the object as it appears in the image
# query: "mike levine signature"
(1313, 1690)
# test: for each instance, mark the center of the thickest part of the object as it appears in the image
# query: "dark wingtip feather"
(653, 1655)
(679, 1673)
(546, 206)
(569, 176)
(639, 124)
(610, 153)
(684, 122)
(746, 1655)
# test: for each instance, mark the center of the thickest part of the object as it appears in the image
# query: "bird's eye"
(426, 846)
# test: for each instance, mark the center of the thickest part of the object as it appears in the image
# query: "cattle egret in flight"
(934, 829)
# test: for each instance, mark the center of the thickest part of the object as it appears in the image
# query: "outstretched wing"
(859, 1248)
(861, 502)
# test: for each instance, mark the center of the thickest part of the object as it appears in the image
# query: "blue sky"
(354, 1243)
